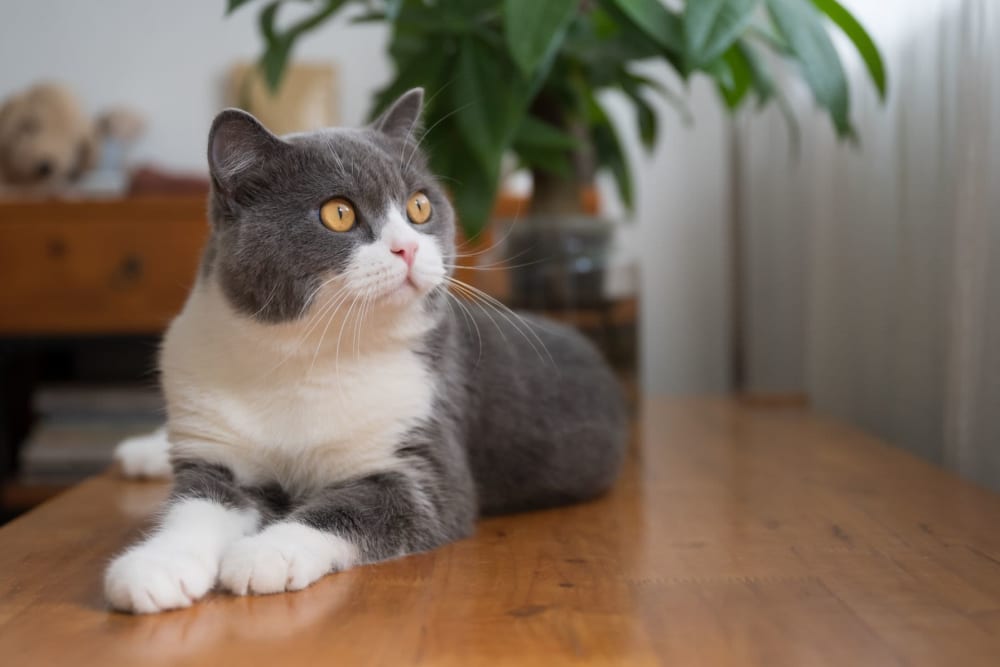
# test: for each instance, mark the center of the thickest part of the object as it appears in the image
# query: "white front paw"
(147, 579)
(145, 456)
(283, 557)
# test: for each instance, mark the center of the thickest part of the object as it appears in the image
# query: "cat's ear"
(400, 120)
(236, 143)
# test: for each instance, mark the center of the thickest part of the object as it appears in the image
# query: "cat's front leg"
(179, 562)
(369, 519)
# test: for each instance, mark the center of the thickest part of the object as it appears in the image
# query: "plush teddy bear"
(47, 142)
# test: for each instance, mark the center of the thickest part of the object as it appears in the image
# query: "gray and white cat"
(330, 402)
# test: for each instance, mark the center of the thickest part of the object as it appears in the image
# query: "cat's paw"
(146, 580)
(145, 456)
(283, 557)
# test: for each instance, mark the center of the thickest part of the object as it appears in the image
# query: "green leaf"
(537, 133)
(490, 98)
(431, 68)
(233, 5)
(404, 81)
(711, 27)
(798, 21)
(392, 8)
(604, 39)
(672, 97)
(369, 17)
(276, 48)
(766, 88)
(741, 78)
(646, 118)
(266, 21)
(648, 125)
(474, 197)
(765, 34)
(273, 63)
(553, 162)
(278, 45)
(534, 29)
(472, 187)
(860, 38)
(609, 151)
(544, 146)
(316, 20)
(763, 84)
(722, 72)
(659, 23)
(760, 76)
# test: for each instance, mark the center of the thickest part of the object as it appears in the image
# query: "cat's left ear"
(400, 120)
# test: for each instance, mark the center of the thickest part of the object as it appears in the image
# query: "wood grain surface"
(738, 535)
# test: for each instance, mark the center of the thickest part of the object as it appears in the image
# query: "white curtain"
(872, 273)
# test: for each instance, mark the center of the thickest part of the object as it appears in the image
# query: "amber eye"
(337, 214)
(418, 208)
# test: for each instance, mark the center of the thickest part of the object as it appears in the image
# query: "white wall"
(803, 204)
(883, 261)
(682, 216)
(168, 59)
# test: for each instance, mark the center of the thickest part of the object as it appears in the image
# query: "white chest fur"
(303, 407)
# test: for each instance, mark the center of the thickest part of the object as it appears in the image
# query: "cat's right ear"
(238, 142)
(400, 120)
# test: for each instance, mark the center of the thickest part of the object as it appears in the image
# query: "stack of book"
(77, 429)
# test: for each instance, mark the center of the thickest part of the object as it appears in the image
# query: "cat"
(330, 402)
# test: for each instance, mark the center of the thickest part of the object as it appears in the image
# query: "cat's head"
(351, 214)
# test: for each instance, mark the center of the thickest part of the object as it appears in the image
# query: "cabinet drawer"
(97, 267)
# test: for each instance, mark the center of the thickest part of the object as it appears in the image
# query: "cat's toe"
(148, 580)
(253, 565)
(258, 566)
(284, 557)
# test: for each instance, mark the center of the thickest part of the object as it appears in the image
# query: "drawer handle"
(128, 273)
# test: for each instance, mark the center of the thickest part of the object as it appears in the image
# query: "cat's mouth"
(406, 289)
(395, 287)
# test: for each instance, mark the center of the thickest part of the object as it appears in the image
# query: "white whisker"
(309, 297)
(474, 301)
(498, 266)
(319, 345)
(468, 318)
(359, 324)
(502, 309)
(336, 355)
(310, 325)
(267, 301)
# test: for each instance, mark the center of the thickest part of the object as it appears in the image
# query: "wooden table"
(737, 535)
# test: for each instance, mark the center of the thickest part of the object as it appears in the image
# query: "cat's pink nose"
(407, 250)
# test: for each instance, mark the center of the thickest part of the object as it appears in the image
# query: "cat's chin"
(405, 294)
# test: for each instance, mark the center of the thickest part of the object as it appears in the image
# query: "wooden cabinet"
(97, 267)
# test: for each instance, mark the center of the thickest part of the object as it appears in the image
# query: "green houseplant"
(523, 77)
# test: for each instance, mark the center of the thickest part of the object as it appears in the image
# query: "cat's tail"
(145, 456)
